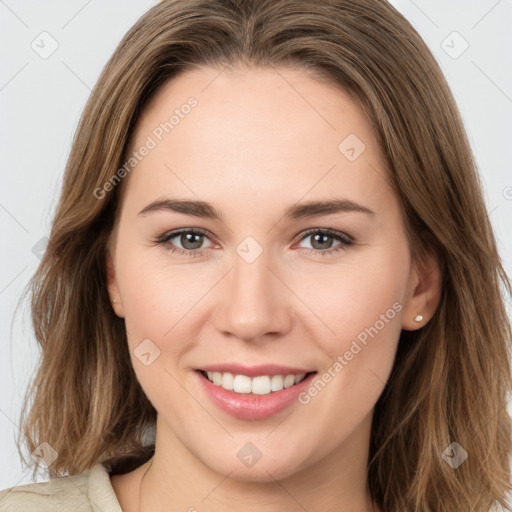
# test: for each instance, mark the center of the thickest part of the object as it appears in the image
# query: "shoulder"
(86, 492)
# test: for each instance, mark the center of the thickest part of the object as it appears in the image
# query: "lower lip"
(253, 407)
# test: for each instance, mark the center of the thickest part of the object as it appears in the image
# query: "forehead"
(268, 133)
(257, 101)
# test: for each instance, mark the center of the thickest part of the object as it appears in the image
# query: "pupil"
(315, 239)
(188, 238)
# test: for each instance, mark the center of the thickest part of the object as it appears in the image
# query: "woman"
(197, 355)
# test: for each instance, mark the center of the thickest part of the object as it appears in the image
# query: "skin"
(258, 141)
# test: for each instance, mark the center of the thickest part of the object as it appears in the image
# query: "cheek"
(156, 294)
(159, 311)
(158, 301)
(359, 300)
(360, 314)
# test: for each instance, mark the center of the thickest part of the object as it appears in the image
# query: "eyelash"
(345, 240)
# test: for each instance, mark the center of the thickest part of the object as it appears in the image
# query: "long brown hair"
(451, 378)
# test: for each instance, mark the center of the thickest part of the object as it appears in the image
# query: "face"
(257, 283)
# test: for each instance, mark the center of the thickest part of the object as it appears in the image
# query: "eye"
(322, 241)
(190, 240)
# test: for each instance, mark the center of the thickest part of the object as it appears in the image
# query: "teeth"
(262, 385)
(241, 384)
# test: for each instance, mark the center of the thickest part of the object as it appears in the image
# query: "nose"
(255, 303)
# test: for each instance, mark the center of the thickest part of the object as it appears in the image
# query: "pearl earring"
(114, 301)
(418, 318)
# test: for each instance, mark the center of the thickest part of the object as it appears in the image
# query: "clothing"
(90, 491)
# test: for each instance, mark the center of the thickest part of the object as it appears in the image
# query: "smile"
(260, 385)
(255, 397)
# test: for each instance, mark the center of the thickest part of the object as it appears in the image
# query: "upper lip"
(254, 371)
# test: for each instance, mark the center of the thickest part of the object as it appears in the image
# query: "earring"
(114, 301)
(418, 318)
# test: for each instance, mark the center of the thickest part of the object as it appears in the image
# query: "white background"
(41, 101)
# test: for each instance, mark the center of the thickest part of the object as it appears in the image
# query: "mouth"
(264, 384)
(258, 396)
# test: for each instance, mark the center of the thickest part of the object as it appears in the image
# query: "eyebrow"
(303, 210)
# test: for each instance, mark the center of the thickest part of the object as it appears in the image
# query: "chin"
(271, 465)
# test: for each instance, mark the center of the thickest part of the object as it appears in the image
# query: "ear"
(112, 287)
(424, 292)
